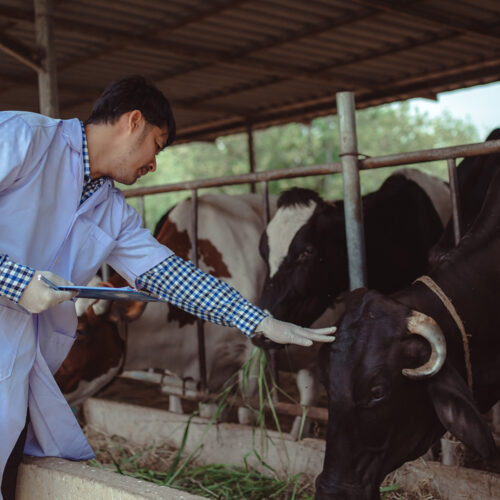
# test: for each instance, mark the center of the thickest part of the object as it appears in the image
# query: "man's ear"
(135, 119)
(457, 412)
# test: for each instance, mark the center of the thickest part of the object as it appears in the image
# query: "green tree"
(381, 130)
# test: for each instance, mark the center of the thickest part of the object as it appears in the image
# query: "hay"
(164, 465)
(423, 490)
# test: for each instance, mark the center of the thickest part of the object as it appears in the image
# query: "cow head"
(95, 358)
(98, 352)
(391, 395)
(301, 245)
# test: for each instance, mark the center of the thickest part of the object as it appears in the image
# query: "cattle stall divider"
(349, 166)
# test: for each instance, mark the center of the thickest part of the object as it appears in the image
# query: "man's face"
(140, 147)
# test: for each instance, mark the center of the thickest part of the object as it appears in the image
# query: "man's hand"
(38, 296)
(288, 333)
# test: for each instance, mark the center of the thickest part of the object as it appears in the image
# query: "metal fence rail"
(423, 156)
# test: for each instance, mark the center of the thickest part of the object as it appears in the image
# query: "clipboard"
(102, 292)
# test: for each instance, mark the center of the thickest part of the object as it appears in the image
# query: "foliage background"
(388, 129)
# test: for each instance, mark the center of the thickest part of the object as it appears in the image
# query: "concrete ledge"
(453, 483)
(221, 443)
(58, 479)
(233, 444)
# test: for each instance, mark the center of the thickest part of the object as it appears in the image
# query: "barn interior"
(233, 66)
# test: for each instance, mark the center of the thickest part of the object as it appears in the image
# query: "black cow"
(474, 175)
(305, 243)
(382, 410)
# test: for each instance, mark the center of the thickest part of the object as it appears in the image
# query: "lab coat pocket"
(60, 345)
(13, 323)
(92, 253)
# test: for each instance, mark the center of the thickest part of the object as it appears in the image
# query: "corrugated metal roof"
(228, 64)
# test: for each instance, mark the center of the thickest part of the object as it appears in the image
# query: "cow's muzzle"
(331, 491)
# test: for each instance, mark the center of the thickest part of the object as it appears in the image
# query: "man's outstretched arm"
(186, 286)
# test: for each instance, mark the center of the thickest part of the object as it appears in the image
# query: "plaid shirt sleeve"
(188, 287)
(14, 278)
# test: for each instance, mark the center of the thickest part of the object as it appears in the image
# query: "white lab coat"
(42, 225)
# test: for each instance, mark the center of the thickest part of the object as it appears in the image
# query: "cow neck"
(421, 298)
(437, 290)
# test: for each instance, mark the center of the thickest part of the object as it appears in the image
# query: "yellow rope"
(433, 286)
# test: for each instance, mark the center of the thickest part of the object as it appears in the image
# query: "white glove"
(38, 296)
(288, 333)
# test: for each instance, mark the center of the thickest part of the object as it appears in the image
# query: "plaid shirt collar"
(89, 186)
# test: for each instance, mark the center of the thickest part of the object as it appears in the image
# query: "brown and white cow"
(160, 335)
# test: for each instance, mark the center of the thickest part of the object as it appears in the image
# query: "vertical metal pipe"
(265, 201)
(105, 272)
(273, 352)
(141, 208)
(251, 154)
(455, 199)
(47, 77)
(353, 208)
(199, 322)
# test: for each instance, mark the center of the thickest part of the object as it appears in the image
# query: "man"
(63, 218)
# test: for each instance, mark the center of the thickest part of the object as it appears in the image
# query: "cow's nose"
(331, 491)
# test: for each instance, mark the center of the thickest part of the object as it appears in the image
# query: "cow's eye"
(377, 393)
(306, 253)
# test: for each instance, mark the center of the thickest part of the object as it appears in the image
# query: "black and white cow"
(305, 248)
(396, 375)
(305, 244)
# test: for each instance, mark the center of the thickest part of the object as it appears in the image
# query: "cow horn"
(425, 326)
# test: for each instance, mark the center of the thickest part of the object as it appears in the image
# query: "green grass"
(174, 468)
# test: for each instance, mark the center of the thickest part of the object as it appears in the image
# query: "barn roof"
(229, 64)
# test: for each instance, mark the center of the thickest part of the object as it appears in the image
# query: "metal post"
(141, 208)
(353, 208)
(251, 155)
(105, 272)
(47, 76)
(455, 199)
(265, 199)
(273, 353)
(199, 322)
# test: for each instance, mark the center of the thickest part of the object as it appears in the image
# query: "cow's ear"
(457, 412)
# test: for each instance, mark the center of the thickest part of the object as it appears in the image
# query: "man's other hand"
(38, 296)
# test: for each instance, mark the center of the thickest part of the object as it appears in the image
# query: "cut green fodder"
(167, 466)
(161, 465)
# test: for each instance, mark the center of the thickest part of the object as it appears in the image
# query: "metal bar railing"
(455, 199)
(199, 322)
(353, 208)
(323, 169)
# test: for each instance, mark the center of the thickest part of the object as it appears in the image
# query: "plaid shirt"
(175, 280)
(181, 283)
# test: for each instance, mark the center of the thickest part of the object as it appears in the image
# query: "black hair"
(298, 196)
(130, 93)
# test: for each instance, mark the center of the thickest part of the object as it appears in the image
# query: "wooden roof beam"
(21, 52)
(13, 14)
